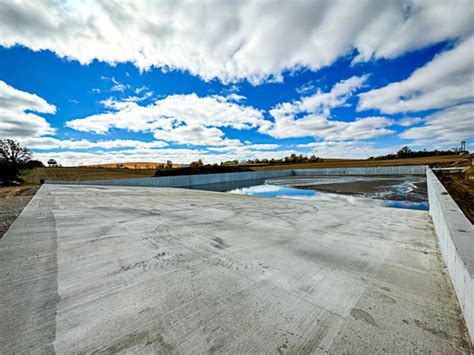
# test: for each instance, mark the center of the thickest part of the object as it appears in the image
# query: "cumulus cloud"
(348, 149)
(310, 116)
(445, 127)
(245, 149)
(232, 40)
(409, 121)
(185, 119)
(16, 120)
(447, 80)
(46, 143)
(66, 158)
(156, 155)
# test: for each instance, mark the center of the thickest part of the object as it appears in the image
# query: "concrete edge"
(196, 180)
(456, 240)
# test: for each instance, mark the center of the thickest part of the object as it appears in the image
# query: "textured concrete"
(123, 269)
(207, 179)
(456, 240)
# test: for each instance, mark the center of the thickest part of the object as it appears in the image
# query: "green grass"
(24, 172)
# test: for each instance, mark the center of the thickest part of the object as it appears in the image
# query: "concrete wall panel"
(379, 170)
(456, 240)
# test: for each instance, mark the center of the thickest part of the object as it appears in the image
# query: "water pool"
(387, 191)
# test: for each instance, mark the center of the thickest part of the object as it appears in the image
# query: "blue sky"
(94, 83)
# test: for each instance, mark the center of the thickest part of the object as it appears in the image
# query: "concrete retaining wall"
(196, 180)
(456, 239)
(379, 170)
(183, 181)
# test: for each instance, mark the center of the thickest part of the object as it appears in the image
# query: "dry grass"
(132, 165)
(12, 201)
(348, 163)
(78, 174)
(460, 185)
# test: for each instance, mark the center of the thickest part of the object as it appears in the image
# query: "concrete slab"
(126, 269)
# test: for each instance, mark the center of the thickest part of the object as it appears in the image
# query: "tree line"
(406, 152)
(292, 159)
(15, 158)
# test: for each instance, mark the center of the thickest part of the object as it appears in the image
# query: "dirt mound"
(460, 185)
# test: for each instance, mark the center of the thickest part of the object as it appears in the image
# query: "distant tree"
(13, 152)
(404, 152)
(196, 164)
(13, 157)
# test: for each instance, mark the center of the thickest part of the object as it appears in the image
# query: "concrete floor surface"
(125, 269)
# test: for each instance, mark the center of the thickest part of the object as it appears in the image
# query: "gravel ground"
(12, 201)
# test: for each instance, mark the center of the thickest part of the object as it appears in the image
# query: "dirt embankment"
(80, 173)
(460, 185)
(13, 200)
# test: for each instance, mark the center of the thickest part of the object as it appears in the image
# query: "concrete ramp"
(125, 269)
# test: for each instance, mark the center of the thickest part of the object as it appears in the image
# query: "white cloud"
(444, 128)
(447, 80)
(118, 86)
(15, 121)
(322, 102)
(235, 97)
(310, 115)
(347, 149)
(46, 143)
(409, 121)
(69, 158)
(245, 149)
(185, 119)
(155, 155)
(232, 40)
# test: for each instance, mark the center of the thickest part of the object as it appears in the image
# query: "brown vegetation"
(460, 185)
(347, 163)
(78, 174)
(131, 165)
(12, 201)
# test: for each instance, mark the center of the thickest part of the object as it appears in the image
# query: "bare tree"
(13, 152)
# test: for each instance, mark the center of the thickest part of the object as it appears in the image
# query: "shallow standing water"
(387, 191)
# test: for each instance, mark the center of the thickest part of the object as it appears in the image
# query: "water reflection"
(290, 192)
(400, 192)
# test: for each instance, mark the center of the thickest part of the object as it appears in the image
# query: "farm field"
(132, 165)
(346, 163)
(81, 173)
